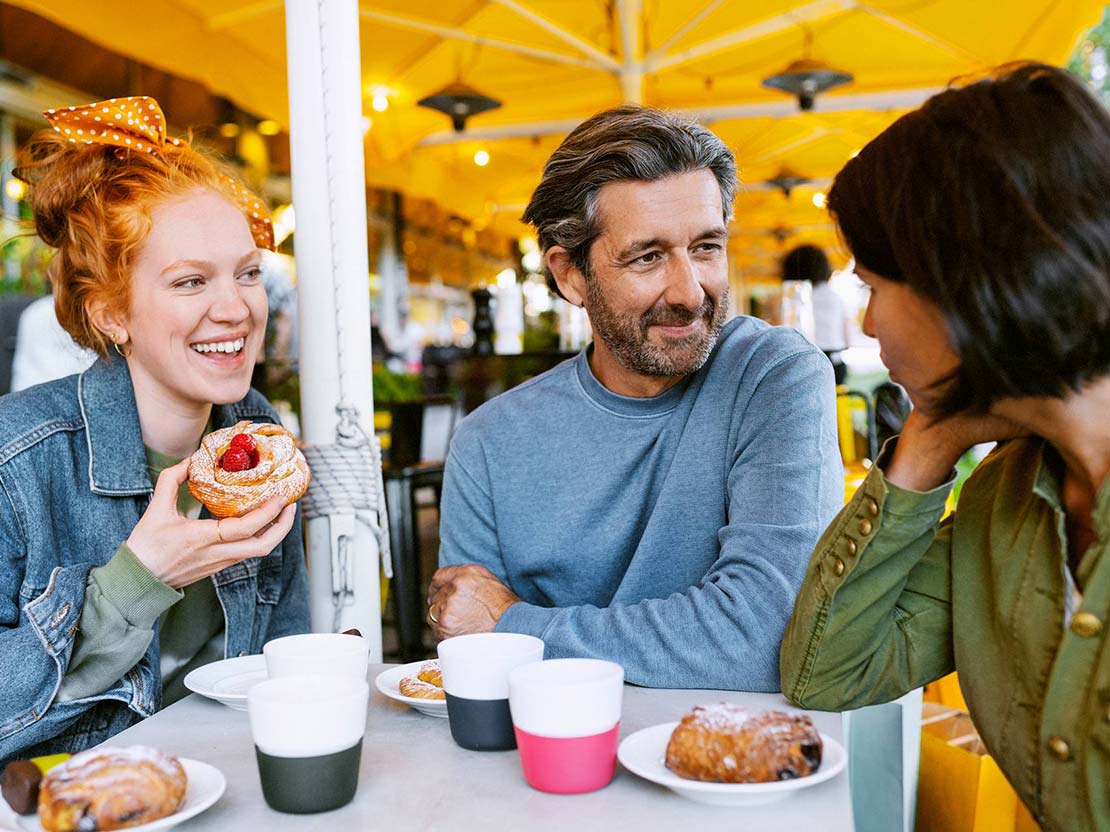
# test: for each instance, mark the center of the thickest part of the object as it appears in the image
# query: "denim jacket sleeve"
(873, 618)
(36, 640)
(291, 616)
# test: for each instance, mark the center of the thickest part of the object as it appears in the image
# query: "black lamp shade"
(459, 102)
(806, 78)
(786, 181)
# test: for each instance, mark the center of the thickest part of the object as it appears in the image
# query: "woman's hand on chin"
(179, 551)
(929, 447)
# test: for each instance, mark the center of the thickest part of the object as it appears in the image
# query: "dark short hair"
(806, 263)
(625, 143)
(992, 201)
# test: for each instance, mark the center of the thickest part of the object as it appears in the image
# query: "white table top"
(413, 776)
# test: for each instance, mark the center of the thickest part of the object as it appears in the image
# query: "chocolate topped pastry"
(731, 744)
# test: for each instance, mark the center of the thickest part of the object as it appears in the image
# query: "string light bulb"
(15, 189)
(819, 199)
(481, 158)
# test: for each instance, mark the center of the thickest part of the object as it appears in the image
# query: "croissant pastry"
(430, 673)
(110, 788)
(427, 684)
(235, 470)
(730, 744)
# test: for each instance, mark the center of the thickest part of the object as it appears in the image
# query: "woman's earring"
(119, 349)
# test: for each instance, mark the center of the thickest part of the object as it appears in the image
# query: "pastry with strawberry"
(237, 469)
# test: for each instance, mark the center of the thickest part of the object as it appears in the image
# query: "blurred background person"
(43, 350)
(810, 264)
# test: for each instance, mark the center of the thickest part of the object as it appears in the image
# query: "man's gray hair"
(622, 144)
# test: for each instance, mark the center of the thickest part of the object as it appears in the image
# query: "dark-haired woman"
(981, 223)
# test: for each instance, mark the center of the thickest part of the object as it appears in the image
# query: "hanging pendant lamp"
(786, 181)
(806, 78)
(459, 102)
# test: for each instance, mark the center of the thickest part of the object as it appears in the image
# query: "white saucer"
(229, 680)
(389, 681)
(206, 784)
(643, 754)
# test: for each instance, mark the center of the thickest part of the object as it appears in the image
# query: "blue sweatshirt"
(669, 534)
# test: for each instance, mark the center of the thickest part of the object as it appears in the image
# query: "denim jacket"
(73, 484)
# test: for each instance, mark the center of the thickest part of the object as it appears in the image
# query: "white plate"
(229, 680)
(389, 681)
(206, 784)
(643, 754)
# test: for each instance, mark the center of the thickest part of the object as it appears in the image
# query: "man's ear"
(107, 320)
(571, 281)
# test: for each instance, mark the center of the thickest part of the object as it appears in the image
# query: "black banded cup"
(307, 734)
(476, 680)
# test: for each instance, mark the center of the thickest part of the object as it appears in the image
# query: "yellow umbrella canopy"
(552, 63)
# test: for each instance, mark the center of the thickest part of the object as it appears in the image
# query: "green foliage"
(1092, 59)
(391, 387)
(23, 261)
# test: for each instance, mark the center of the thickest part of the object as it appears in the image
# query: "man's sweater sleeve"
(468, 530)
(785, 483)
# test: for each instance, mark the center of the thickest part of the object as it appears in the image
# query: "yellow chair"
(852, 408)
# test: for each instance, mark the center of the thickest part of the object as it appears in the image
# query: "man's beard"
(626, 336)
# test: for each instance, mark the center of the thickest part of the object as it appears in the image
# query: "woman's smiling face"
(198, 307)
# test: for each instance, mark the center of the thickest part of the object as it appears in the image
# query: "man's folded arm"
(468, 532)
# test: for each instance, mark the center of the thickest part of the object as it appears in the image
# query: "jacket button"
(852, 548)
(865, 526)
(1085, 625)
(838, 567)
(1060, 749)
(872, 507)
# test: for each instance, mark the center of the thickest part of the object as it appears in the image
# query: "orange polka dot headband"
(137, 124)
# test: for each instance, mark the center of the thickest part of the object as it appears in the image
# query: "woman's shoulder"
(28, 416)
(1009, 471)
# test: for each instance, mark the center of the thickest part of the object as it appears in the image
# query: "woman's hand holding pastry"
(179, 551)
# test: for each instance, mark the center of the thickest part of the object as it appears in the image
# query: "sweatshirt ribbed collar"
(628, 406)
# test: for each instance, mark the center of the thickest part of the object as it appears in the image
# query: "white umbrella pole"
(325, 105)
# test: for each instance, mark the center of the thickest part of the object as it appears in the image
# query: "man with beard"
(655, 500)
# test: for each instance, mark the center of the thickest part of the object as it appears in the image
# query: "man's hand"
(466, 599)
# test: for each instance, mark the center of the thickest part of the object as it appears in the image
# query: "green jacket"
(894, 598)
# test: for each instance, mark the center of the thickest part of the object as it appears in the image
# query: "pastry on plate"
(731, 744)
(237, 469)
(426, 684)
(111, 788)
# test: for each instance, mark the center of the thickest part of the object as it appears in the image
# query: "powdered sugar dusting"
(107, 768)
(722, 717)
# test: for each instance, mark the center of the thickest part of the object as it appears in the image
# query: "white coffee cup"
(476, 684)
(566, 697)
(312, 654)
(566, 718)
(307, 733)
